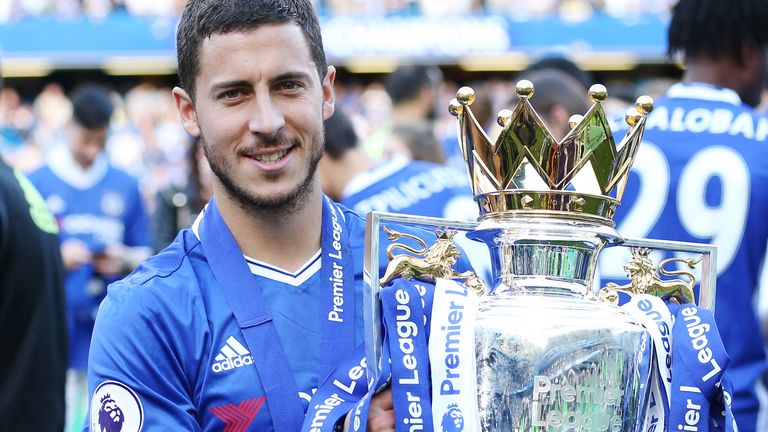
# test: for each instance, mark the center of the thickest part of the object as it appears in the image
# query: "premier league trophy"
(550, 354)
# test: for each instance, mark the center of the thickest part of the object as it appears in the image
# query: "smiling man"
(237, 322)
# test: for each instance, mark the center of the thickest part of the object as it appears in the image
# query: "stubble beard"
(259, 206)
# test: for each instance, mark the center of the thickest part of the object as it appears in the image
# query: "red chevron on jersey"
(239, 417)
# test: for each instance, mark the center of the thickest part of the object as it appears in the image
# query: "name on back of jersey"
(718, 121)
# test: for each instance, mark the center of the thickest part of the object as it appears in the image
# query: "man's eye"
(290, 85)
(231, 94)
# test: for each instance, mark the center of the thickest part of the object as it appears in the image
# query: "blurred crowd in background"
(520, 9)
(147, 140)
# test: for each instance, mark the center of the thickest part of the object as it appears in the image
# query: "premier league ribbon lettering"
(700, 360)
(406, 307)
(689, 390)
(451, 352)
(653, 314)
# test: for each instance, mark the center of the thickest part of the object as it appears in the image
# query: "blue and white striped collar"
(703, 91)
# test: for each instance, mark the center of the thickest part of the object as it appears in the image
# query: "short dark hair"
(562, 64)
(203, 18)
(421, 141)
(340, 135)
(92, 106)
(405, 82)
(717, 28)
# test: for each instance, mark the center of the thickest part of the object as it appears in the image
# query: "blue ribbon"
(699, 362)
(245, 299)
(406, 308)
(406, 336)
(700, 397)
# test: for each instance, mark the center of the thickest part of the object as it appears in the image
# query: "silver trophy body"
(549, 356)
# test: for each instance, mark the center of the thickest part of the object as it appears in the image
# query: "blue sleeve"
(137, 227)
(143, 360)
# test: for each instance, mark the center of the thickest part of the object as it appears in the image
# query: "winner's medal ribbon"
(406, 307)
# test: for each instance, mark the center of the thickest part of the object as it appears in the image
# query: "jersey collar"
(63, 164)
(260, 268)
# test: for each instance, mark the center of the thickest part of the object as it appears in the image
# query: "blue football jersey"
(101, 206)
(701, 175)
(169, 354)
(412, 187)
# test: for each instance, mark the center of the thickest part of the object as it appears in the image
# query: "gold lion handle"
(645, 278)
(430, 263)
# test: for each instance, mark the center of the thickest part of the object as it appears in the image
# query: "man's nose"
(267, 117)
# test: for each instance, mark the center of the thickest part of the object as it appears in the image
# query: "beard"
(257, 205)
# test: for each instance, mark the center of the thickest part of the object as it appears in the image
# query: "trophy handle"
(378, 235)
(645, 275)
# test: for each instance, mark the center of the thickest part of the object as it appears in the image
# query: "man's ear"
(329, 97)
(186, 108)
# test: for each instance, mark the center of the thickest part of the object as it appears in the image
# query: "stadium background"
(49, 46)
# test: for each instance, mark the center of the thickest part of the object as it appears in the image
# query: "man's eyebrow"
(291, 76)
(228, 85)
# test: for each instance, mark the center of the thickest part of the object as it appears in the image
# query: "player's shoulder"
(163, 283)
(354, 222)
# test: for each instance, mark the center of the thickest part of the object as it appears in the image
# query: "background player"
(104, 227)
(702, 173)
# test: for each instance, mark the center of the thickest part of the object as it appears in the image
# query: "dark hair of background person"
(92, 106)
(553, 87)
(716, 29)
(405, 82)
(420, 139)
(562, 64)
(340, 135)
(240, 16)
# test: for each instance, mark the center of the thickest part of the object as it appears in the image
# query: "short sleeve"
(142, 361)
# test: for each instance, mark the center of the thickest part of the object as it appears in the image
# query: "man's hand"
(381, 414)
(110, 262)
(118, 259)
(75, 253)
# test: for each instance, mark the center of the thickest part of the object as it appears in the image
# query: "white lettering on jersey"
(412, 190)
(704, 120)
(105, 229)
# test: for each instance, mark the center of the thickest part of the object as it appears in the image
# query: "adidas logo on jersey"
(233, 355)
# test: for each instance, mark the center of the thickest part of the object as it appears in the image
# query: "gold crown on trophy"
(528, 172)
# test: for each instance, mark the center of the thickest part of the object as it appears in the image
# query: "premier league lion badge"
(116, 408)
(453, 420)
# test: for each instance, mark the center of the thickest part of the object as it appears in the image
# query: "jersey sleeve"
(143, 360)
